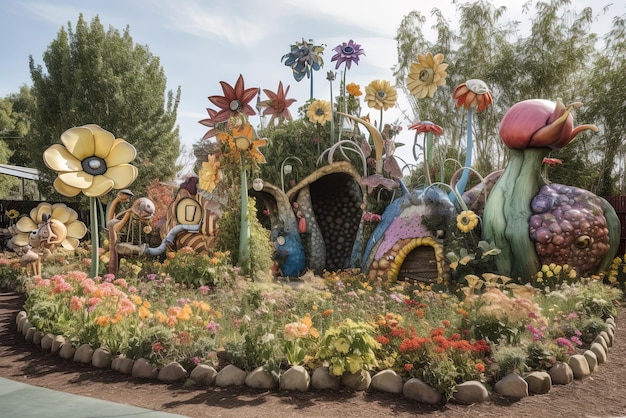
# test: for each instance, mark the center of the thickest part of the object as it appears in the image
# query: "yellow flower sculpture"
(426, 75)
(466, 221)
(210, 174)
(92, 161)
(243, 134)
(379, 94)
(66, 230)
(320, 111)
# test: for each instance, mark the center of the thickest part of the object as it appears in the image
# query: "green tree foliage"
(551, 62)
(103, 77)
(605, 89)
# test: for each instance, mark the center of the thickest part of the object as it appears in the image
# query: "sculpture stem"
(95, 238)
(508, 210)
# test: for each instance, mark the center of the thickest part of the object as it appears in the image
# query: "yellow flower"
(466, 221)
(91, 161)
(320, 111)
(12, 214)
(65, 228)
(426, 75)
(210, 174)
(379, 94)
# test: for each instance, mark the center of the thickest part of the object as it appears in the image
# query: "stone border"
(297, 378)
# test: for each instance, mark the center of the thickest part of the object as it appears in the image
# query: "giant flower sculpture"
(92, 161)
(304, 58)
(242, 134)
(471, 94)
(235, 100)
(277, 104)
(64, 227)
(347, 52)
(425, 75)
(429, 129)
(210, 122)
(380, 95)
(320, 111)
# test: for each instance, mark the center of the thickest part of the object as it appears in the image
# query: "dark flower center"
(93, 165)
(348, 50)
(426, 75)
(319, 111)
(381, 94)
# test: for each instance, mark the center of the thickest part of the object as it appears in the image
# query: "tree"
(549, 63)
(605, 89)
(102, 77)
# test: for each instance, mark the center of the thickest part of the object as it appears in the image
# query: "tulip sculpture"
(536, 223)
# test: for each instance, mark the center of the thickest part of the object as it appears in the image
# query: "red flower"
(480, 367)
(210, 122)
(427, 126)
(552, 161)
(234, 101)
(277, 104)
(408, 367)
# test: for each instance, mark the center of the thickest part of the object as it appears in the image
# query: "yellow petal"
(65, 189)
(26, 225)
(121, 153)
(77, 179)
(59, 159)
(62, 213)
(101, 185)
(70, 243)
(79, 142)
(103, 140)
(38, 211)
(76, 229)
(20, 240)
(122, 175)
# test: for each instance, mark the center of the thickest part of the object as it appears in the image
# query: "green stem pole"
(95, 238)
(244, 232)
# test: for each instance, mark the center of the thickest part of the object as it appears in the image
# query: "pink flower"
(204, 290)
(213, 326)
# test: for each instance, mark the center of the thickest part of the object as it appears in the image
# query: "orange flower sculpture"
(243, 134)
(473, 93)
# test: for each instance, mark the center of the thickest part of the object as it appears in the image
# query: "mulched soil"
(603, 394)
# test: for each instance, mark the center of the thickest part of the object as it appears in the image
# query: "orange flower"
(144, 312)
(354, 89)
(103, 320)
(480, 367)
(76, 303)
(473, 93)
(241, 135)
(408, 367)
(327, 312)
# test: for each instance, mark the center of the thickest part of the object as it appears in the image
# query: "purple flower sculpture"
(347, 52)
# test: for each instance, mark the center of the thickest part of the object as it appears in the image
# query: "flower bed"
(481, 332)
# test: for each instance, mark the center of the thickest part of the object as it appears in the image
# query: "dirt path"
(601, 395)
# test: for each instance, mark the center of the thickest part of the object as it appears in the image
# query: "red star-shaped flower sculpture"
(210, 122)
(235, 100)
(277, 104)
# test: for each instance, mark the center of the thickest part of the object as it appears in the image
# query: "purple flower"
(213, 326)
(348, 53)
(576, 340)
(151, 276)
(109, 277)
(196, 360)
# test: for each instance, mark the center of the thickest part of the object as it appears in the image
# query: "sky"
(202, 42)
